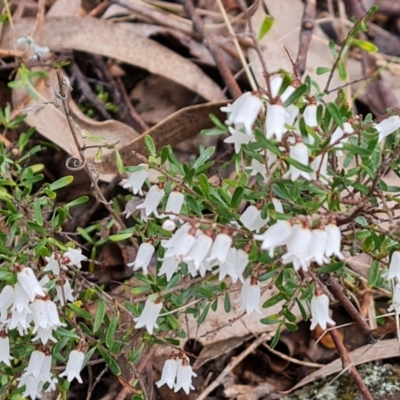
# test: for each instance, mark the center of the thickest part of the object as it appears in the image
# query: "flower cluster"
(177, 373)
(304, 245)
(27, 306)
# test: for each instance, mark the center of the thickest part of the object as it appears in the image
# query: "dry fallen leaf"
(102, 37)
(370, 352)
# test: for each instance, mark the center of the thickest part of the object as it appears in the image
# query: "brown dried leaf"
(101, 37)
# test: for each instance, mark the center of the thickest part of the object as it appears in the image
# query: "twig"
(346, 362)
(87, 92)
(63, 97)
(214, 49)
(336, 289)
(228, 369)
(306, 33)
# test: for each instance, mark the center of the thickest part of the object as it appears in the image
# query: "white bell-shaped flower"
(64, 292)
(44, 335)
(320, 312)
(298, 152)
(250, 295)
(394, 266)
(251, 219)
(317, 246)
(243, 112)
(31, 386)
(275, 126)
(74, 366)
(333, 242)
(257, 168)
(7, 296)
(276, 84)
(174, 205)
(149, 315)
(220, 248)
(35, 364)
(168, 267)
(136, 180)
(387, 126)
(169, 372)
(45, 372)
(238, 138)
(53, 264)
(298, 249)
(20, 321)
(29, 284)
(143, 258)
(291, 112)
(242, 260)
(277, 235)
(5, 356)
(73, 257)
(183, 247)
(339, 133)
(320, 167)
(228, 268)
(176, 237)
(184, 377)
(152, 200)
(199, 251)
(396, 299)
(310, 115)
(21, 299)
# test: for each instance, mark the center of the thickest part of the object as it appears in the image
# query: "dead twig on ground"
(234, 362)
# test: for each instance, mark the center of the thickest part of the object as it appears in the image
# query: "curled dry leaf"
(102, 37)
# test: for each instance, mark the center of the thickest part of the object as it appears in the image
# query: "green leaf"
(270, 320)
(303, 312)
(82, 313)
(60, 183)
(218, 123)
(298, 165)
(151, 147)
(276, 338)
(37, 212)
(68, 334)
(273, 300)
(120, 236)
(342, 70)
(118, 162)
(364, 45)
(330, 268)
(204, 156)
(266, 25)
(296, 95)
(237, 197)
(204, 314)
(362, 151)
(373, 273)
(227, 303)
(99, 316)
(204, 184)
(335, 113)
(78, 201)
(110, 335)
(114, 367)
(322, 70)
